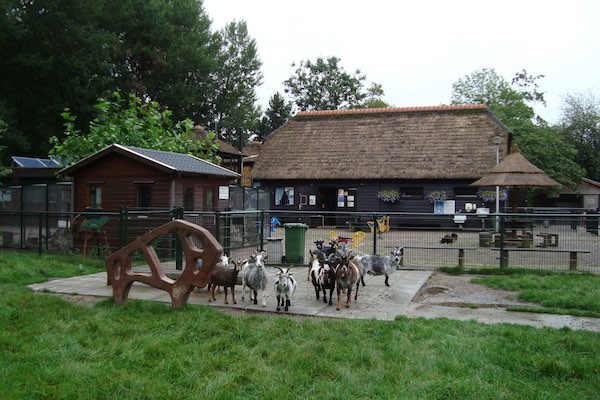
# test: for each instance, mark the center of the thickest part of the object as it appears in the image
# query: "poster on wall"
(223, 192)
(312, 200)
(446, 207)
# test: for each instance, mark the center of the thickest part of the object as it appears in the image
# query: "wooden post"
(461, 258)
(573, 261)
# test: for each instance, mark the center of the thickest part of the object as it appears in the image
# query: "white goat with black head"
(254, 276)
(285, 286)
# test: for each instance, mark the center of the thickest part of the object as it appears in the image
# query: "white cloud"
(416, 50)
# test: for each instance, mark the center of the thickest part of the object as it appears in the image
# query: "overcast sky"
(417, 49)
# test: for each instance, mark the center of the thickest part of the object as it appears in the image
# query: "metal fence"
(549, 241)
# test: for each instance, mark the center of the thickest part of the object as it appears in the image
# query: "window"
(143, 196)
(284, 196)
(209, 199)
(465, 192)
(415, 193)
(95, 196)
(188, 199)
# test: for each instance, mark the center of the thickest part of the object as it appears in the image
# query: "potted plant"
(389, 195)
(489, 196)
(436, 195)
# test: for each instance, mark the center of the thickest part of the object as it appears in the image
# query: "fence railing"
(551, 241)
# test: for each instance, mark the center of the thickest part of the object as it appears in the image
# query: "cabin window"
(414, 193)
(95, 196)
(188, 199)
(284, 196)
(209, 199)
(143, 196)
(465, 192)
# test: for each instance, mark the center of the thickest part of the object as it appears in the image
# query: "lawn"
(53, 349)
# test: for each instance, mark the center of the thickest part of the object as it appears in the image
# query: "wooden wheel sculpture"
(199, 263)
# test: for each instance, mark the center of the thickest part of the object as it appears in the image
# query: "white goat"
(254, 275)
(380, 265)
(285, 286)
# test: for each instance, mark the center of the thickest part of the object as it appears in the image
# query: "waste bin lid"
(295, 225)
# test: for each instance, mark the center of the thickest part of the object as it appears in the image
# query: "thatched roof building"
(441, 142)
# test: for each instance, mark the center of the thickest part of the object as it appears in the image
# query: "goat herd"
(330, 268)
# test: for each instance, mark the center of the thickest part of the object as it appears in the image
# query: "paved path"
(375, 301)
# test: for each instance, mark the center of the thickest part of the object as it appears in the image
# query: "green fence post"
(262, 229)
(177, 213)
(40, 232)
(374, 233)
(503, 260)
(122, 226)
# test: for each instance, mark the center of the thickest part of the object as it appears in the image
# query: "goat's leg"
(330, 296)
(253, 296)
(278, 300)
(225, 290)
(209, 291)
(287, 303)
(337, 306)
(264, 297)
(386, 280)
(349, 297)
(233, 294)
(356, 292)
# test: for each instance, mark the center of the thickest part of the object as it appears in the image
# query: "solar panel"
(30, 162)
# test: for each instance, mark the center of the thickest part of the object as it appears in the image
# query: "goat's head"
(258, 258)
(223, 260)
(319, 244)
(397, 254)
(239, 264)
(343, 256)
(283, 280)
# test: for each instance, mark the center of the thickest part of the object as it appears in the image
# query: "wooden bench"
(572, 254)
(461, 251)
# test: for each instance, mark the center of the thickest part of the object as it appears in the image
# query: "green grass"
(52, 349)
(556, 292)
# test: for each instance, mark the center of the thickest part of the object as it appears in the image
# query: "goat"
(285, 286)
(323, 252)
(327, 279)
(380, 265)
(254, 276)
(347, 274)
(449, 238)
(314, 268)
(226, 277)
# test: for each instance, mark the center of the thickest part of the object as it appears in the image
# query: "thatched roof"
(515, 170)
(442, 142)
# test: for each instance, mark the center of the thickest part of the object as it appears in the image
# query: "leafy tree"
(374, 100)
(325, 85)
(130, 121)
(3, 129)
(580, 124)
(234, 112)
(277, 114)
(59, 54)
(509, 101)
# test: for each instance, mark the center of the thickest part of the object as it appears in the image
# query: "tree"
(68, 53)
(3, 129)
(277, 114)
(510, 103)
(325, 85)
(234, 112)
(374, 97)
(580, 124)
(130, 121)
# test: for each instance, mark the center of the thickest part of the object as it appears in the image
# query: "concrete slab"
(375, 301)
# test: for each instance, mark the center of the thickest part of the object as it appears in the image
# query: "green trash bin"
(294, 242)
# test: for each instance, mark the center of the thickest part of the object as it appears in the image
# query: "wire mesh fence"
(549, 241)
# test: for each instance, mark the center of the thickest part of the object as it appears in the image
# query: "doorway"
(326, 198)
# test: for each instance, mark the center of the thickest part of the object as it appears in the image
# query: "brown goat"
(226, 277)
(347, 274)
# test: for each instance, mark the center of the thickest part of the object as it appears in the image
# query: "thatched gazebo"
(515, 171)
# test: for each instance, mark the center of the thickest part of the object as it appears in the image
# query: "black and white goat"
(374, 264)
(314, 269)
(254, 276)
(226, 277)
(347, 274)
(326, 279)
(323, 252)
(285, 286)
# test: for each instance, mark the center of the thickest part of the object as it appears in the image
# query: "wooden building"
(121, 176)
(348, 160)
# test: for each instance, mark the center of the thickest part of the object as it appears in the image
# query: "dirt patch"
(458, 291)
